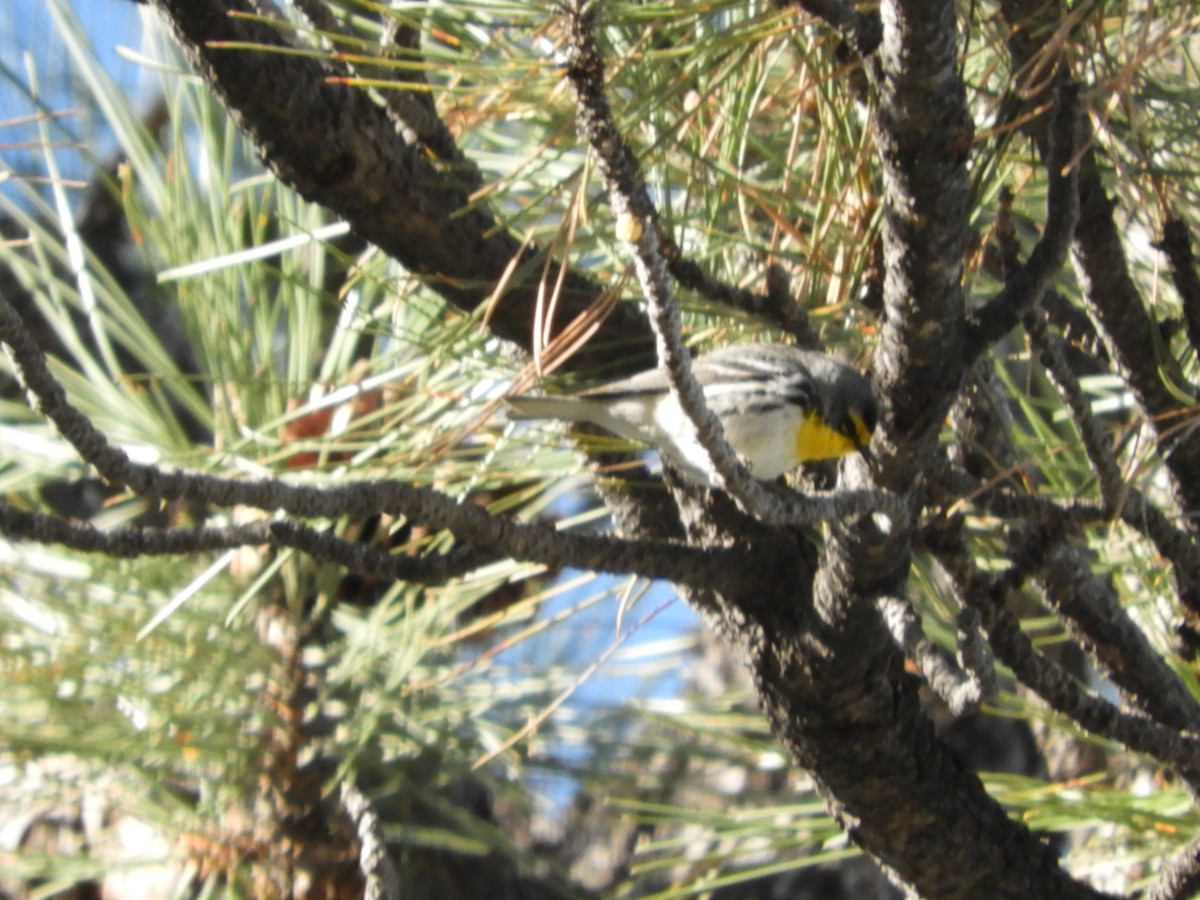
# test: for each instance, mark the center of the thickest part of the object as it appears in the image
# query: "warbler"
(779, 406)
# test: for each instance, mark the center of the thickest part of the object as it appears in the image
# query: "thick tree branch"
(837, 693)
(924, 133)
(335, 146)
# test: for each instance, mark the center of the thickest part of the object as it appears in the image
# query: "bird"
(779, 406)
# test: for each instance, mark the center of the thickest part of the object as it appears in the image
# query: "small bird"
(779, 406)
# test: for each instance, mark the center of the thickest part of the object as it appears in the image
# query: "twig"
(1063, 693)
(586, 71)
(1176, 243)
(1025, 285)
(133, 542)
(961, 690)
(777, 304)
(862, 30)
(631, 202)
(1112, 486)
(1090, 606)
(975, 654)
(783, 307)
(379, 872)
(1049, 681)
(360, 557)
(42, 528)
(961, 486)
(414, 111)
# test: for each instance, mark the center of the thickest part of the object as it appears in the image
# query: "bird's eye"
(869, 419)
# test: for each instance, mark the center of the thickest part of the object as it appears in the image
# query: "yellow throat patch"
(816, 440)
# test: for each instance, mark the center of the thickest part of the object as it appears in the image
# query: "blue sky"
(26, 26)
(28, 35)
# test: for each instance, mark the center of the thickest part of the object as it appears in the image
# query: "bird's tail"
(568, 409)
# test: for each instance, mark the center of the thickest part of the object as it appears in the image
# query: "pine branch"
(1056, 687)
(714, 567)
(1087, 604)
(924, 133)
(335, 146)
(631, 203)
(1101, 260)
